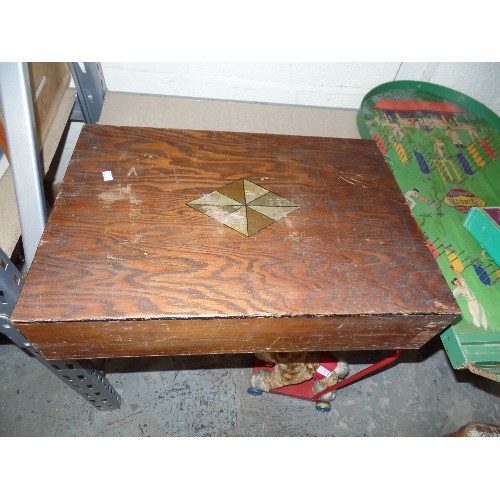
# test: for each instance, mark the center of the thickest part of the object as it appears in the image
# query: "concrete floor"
(421, 395)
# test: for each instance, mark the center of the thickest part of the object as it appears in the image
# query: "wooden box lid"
(181, 242)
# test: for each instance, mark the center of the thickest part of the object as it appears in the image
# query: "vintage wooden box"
(166, 242)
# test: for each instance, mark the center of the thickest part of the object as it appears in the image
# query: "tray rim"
(439, 90)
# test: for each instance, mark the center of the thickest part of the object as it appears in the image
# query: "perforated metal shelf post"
(81, 376)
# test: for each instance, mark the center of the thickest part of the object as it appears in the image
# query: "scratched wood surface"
(126, 267)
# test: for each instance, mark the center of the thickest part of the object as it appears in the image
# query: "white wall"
(338, 85)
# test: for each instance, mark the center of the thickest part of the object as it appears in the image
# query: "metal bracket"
(79, 375)
(11, 283)
(91, 89)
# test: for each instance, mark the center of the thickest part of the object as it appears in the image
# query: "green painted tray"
(443, 148)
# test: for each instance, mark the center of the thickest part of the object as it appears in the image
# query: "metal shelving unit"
(27, 172)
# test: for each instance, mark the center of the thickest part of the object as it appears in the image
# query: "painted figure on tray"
(475, 308)
(412, 195)
(439, 148)
(455, 137)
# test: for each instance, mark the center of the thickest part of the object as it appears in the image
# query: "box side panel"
(238, 335)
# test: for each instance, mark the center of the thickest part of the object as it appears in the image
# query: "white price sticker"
(323, 371)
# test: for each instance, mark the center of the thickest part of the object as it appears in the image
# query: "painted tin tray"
(443, 148)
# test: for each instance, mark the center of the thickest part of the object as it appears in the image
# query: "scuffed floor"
(421, 395)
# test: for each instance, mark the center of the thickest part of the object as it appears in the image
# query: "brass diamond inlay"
(244, 206)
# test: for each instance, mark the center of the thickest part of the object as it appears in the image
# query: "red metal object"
(361, 374)
(305, 389)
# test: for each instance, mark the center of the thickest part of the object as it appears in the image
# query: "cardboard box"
(49, 81)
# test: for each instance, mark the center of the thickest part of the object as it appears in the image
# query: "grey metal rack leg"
(19, 122)
(91, 89)
(79, 375)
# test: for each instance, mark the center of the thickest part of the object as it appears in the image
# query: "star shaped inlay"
(244, 206)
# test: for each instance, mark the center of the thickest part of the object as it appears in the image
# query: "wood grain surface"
(102, 339)
(121, 262)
